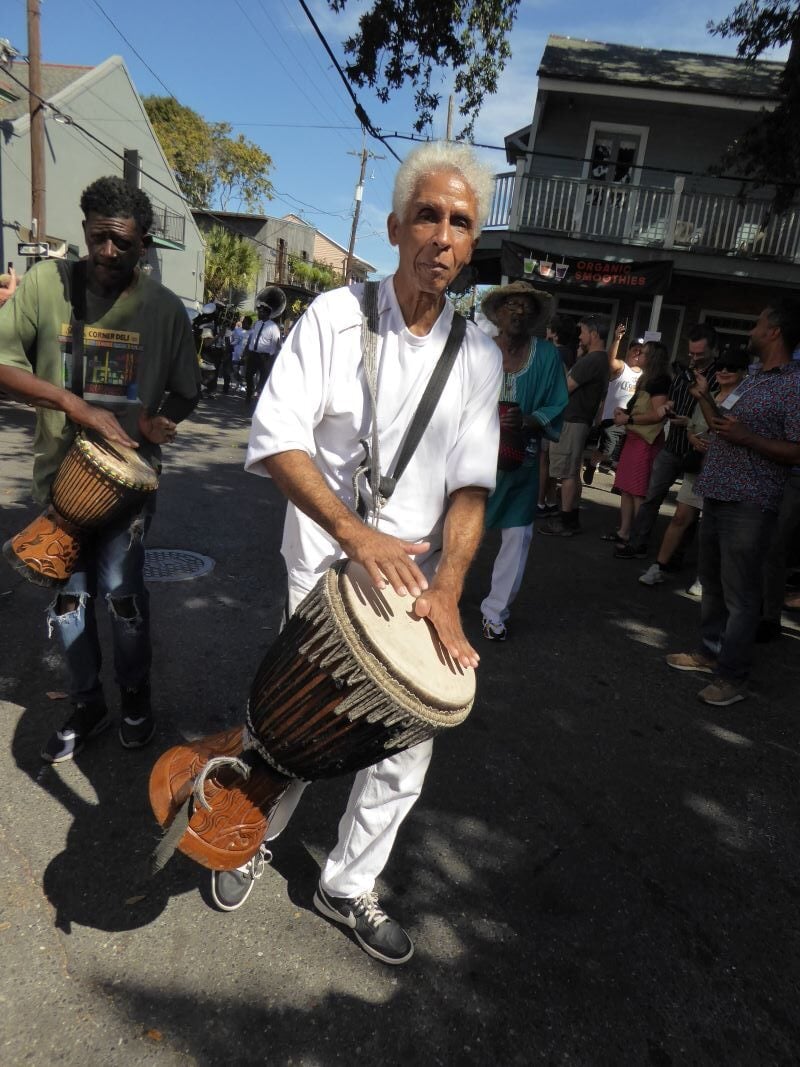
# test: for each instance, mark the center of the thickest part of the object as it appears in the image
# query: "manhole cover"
(174, 565)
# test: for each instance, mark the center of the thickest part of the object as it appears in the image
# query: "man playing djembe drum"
(136, 347)
(307, 434)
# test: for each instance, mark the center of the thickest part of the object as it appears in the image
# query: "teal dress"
(540, 389)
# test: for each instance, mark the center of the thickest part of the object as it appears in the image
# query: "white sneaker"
(652, 576)
(695, 589)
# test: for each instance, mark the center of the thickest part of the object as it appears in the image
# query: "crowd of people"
(523, 422)
(725, 424)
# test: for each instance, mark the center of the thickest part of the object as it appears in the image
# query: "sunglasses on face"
(730, 370)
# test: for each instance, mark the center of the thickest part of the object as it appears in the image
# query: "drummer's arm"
(24, 386)
(463, 529)
(386, 558)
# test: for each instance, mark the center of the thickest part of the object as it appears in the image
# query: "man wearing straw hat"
(533, 398)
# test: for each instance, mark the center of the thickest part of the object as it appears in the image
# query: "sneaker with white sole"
(137, 726)
(230, 889)
(652, 576)
(494, 631)
(695, 589)
(692, 661)
(87, 720)
(378, 935)
(722, 692)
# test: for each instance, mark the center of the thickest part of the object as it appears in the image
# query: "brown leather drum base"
(228, 835)
(46, 551)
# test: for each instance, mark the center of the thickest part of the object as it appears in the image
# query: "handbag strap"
(383, 487)
(78, 300)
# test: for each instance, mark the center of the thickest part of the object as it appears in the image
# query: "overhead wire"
(361, 114)
(70, 122)
(335, 85)
(141, 58)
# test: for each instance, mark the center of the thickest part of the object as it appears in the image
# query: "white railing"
(648, 216)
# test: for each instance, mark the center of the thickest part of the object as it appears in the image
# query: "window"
(614, 153)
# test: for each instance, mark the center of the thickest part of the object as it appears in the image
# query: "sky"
(258, 65)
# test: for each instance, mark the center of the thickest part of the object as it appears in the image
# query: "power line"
(70, 122)
(141, 59)
(277, 56)
(311, 51)
(361, 114)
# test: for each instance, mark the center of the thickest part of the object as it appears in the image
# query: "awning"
(163, 242)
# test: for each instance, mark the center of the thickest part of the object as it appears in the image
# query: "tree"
(232, 263)
(188, 145)
(208, 162)
(407, 40)
(768, 152)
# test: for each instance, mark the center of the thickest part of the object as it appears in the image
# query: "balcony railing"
(168, 224)
(647, 216)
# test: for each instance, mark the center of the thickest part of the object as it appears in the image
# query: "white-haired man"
(307, 432)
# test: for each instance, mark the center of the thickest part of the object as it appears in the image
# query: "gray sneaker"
(652, 576)
(86, 720)
(230, 889)
(380, 936)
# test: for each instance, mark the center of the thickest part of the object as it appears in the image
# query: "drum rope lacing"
(374, 693)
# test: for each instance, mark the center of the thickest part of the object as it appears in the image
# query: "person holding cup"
(532, 401)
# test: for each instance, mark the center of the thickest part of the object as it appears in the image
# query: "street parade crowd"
(398, 433)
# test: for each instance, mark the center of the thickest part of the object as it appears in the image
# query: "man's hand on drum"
(102, 422)
(387, 559)
(158, 429)
(440, 607)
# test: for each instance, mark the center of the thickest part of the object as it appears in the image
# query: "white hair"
(438, 156)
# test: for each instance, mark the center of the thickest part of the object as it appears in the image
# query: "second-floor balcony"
(648, 216)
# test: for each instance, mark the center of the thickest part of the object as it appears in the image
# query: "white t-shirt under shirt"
(316, 400)
(620, 390)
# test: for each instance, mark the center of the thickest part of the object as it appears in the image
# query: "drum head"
(124, 465)
(407, 646)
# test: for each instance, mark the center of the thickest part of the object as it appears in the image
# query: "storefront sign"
(585, 273)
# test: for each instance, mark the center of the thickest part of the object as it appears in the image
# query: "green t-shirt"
(137, 347)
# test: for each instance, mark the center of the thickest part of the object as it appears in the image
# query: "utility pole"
(365, 154)
(449, 134)
(36, 109)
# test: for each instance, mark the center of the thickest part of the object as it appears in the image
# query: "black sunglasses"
(731, 369)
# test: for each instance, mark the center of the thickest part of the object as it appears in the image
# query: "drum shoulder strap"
(384, 486)
(78, 300)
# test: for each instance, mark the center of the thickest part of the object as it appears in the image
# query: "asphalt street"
(601, 870)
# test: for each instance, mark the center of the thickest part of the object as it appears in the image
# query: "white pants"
(381, 797)
(509, 567)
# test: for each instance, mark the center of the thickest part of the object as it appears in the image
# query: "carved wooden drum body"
(353, 678)
(96, 482)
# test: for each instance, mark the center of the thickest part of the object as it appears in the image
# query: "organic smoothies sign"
(584, 272)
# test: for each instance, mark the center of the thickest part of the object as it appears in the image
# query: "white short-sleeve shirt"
(316, 400)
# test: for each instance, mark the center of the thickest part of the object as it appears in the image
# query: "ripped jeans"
(112, 565)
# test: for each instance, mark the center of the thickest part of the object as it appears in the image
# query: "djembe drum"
(353, 678)
(96, 482)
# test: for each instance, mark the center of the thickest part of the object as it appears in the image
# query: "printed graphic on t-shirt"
(111, 364)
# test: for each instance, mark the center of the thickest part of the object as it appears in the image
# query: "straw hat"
(543, 302)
